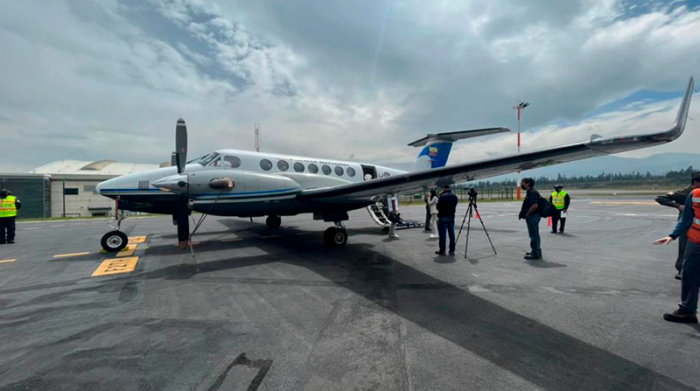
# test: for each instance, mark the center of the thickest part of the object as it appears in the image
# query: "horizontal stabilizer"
(454, 136)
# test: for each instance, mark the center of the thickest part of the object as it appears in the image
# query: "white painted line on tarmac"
(29, 229)
(57, 226)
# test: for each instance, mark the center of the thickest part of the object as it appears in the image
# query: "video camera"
(472, 194)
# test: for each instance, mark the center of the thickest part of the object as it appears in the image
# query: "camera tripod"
(468, 219)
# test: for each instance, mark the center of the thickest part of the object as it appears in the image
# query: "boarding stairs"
(379, 217)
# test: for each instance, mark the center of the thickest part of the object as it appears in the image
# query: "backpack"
(545, 208)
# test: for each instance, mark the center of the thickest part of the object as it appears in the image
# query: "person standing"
(690, 273)
(530, 212)
(428, 225)
(432, 204)
(446, 207)
(9, 205)
(561, 200)
(676, 199)
(394, 216)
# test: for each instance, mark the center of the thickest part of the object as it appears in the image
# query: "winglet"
(685, 105)
(629, 143)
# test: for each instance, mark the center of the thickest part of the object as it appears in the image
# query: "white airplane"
(230, 182)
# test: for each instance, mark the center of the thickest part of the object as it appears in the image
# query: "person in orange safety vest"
(690, 274)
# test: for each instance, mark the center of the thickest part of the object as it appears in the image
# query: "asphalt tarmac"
(262, 309)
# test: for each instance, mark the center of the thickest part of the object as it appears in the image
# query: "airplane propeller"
(179, 159)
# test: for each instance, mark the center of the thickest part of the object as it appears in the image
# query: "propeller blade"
(181, 145)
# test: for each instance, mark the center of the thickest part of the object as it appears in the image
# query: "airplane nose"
(175, 183)
(104, 185)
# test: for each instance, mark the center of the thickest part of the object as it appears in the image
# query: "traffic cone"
(477, 215)
(549, 222)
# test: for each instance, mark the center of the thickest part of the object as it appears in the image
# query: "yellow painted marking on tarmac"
(128, 251)
(70, 255)
(624, 202)
(137, 239)
(116, 266)
(7, 260)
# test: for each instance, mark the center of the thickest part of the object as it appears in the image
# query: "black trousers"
(7, 229)
(556, 218)
(427, 219)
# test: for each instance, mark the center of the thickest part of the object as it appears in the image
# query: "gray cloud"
(108, 79)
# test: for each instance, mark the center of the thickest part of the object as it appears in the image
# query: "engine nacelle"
(237, 182)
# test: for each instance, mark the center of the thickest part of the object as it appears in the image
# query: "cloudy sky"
(107, 79)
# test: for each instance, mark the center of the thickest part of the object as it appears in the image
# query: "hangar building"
(67, 187)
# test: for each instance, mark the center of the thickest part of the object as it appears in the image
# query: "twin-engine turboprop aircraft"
(250, 184)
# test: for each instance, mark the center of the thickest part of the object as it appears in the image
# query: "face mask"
(523, 187)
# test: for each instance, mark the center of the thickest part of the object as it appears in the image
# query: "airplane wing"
(420, 180)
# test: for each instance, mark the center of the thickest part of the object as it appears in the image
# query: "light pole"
(519, 107)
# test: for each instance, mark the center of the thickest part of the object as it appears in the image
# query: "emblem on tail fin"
(437, 147)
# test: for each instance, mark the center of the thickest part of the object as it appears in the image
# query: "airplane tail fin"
(436, 147)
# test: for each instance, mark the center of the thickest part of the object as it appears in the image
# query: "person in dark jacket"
(446, 206)
(676, 199)
(530, 212)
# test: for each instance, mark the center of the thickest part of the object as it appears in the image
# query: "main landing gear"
(273, 222)
(336, 237)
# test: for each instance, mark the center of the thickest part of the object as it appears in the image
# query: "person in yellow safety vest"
(561, 200)
(690, 274)
(9, 205)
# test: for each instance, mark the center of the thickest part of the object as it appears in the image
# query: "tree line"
(636, 179)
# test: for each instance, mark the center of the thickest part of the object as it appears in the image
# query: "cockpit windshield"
(206, 159)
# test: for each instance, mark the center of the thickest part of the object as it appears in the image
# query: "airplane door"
(369, 172)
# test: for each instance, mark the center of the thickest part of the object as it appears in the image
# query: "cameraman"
(531, 214)
(446, 206)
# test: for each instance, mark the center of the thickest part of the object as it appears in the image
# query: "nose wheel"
(335, 237)
(114, 241)
(273, 222)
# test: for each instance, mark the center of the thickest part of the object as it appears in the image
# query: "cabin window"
(298, 167)
(338, 171)
(326, 170)
(283, 165)
(232, 161)
(351, 172)
(313, 168)
(266, 165)
(386, 174)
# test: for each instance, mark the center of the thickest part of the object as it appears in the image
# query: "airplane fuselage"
(263, 184)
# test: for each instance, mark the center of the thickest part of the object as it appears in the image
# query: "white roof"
(100, 167)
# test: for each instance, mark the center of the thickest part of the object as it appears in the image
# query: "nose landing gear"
(114, 241)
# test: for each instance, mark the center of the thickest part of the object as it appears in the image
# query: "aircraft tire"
(114, 241)
(273, 222)
(335, 238)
